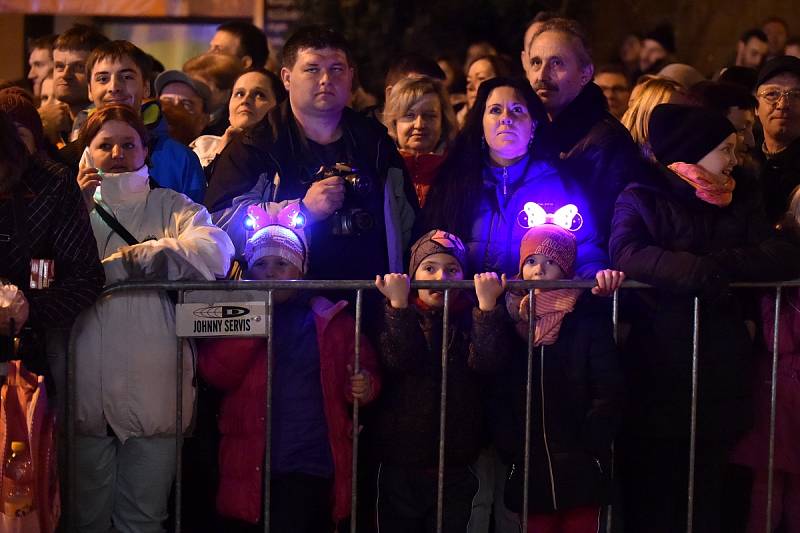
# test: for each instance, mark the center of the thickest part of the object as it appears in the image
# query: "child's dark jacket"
(407, 425)
(576, 391)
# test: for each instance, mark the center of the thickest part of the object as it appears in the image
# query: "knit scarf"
(715, 189)
(550, 307)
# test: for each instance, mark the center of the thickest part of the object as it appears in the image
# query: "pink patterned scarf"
(550, 307)
(715, 189)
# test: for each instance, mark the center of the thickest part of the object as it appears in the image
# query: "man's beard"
(183, 126)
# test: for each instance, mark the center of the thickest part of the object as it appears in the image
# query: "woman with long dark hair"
(492, 188)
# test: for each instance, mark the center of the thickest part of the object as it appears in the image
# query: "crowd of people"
(113, 168)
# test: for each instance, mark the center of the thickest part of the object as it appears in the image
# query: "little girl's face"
(437, 267)
(272, 267)
(538, 267)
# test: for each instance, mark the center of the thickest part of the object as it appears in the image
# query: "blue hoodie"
(173, 165)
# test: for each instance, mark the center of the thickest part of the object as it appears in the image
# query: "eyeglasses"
(773, 96)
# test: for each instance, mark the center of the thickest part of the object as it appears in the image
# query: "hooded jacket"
(273, 163)
(238, 367)
(125, 345)
(595, 148)
(665, 236)
(498, 229)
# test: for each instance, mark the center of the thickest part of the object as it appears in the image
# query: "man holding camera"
(357, 203)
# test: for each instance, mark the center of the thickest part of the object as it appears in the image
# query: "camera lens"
(362, 221)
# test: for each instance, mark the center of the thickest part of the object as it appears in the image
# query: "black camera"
(350, 219)
(353, 181)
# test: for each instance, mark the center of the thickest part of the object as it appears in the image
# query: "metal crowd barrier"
(267, 288)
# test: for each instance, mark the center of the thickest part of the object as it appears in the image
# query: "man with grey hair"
(534, 26)
(597, 151)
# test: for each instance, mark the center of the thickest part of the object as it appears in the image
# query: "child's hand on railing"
(608, 281)
(489, 288)
(360, 384)
(395, 288)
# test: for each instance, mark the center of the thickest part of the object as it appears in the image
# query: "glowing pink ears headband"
(567, 217)
(289, 216)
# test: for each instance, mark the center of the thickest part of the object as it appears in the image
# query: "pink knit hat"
(552, 241)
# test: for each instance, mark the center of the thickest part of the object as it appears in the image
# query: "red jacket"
(238, 367)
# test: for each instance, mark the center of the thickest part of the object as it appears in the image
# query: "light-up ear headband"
(567, 217)
(289, 216)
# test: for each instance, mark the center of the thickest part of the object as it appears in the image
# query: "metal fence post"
(356, 370)
(693, 419)
(442, 415)
(71, 452)
(615, 326)
(528, 394)
(773, 407)
(268, 414)
(179, 430)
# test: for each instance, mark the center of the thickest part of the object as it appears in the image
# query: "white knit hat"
(279, 241)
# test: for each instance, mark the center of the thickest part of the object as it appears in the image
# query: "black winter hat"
(664, 35)
(684, 133)
(778, 65)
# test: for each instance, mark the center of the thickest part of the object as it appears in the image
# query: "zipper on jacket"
(505, 183)
(544, 431)
(487, 249)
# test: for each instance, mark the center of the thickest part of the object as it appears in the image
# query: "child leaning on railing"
(575, 393)
(313, 386)
(407, 422)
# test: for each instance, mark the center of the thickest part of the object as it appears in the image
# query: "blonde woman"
(648, 93)
(421, 120)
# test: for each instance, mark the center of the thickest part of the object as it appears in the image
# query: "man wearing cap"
(185, 103)
(778, 94)
(118, 73)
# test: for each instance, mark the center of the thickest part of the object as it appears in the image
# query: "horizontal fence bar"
(183, 287)
(367, 284)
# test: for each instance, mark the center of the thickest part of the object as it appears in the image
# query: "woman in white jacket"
(125, 345)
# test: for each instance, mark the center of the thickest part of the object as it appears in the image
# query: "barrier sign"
(234, 319)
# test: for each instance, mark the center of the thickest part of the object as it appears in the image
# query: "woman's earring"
(483, 143)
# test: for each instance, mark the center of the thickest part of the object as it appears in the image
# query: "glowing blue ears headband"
(567, 217)
(288, 216)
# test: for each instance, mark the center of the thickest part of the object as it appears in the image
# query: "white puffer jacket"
(125, 346)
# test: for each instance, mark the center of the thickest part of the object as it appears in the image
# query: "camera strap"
(115, 225)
